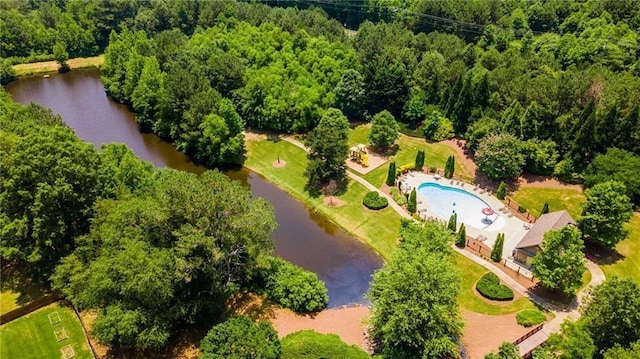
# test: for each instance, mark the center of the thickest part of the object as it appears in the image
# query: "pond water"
(303, 237)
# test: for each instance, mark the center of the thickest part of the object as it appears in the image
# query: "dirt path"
(345, 322)
(484, 333)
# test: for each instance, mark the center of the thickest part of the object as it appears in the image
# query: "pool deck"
(513, 228)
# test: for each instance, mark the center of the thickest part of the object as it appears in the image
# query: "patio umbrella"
(487, 211)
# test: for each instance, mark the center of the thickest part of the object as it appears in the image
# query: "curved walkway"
(362, 181)
(561, 312)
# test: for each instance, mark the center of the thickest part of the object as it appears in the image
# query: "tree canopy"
(414, 296)
(240, 338)
(605, 212)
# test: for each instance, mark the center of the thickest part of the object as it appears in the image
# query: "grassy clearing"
(533, 199)
(436, 154)
(629, 266)
(378, 229)
(33, 336)
(471, 273)
(52, 66)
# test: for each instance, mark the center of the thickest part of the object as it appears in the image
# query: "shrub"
(373, 200)
(419, 160)
(496, 252)
(293, 287)
(545, 208)
(453, 223)
(501, 192)
(391, 175)
(433, 169)
(489, 287)
(239, 337)
(398, 197)
(449, 167)
(412, 206)
(530, 317)
(307, 344)
(461, 238)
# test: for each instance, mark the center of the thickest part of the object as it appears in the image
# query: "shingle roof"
(546, 222)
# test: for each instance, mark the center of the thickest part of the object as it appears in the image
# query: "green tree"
(7, 73)
(293, 287)
(496, 251)
(559, 264)
(412, 205)
(149, 98)
(611, 314)
(605, 212)
(572, 342)
(627, 131)
(308, 344)
(500, 156)
(328, 150)
(450, 167)
(617, 352)
(61, 56)
(617, 165)
(391, 174)
(384, 129)
(462, 107)
(453, 222)
(240, 338)
(545, 208)
(461, 238)
(506, 351)
(222, 140)
(419, 276)
(419, 163)
(350, 94)
(122, 173)
(501, 192)
(49, 185)
(173, 255)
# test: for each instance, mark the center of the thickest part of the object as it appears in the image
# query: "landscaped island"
(488, 151)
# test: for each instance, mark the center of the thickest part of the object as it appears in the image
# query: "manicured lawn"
(33, 336)
(379, 229)
(533, 199)
(471, 273)
(436, 154)
(629, 266)
(52, 66)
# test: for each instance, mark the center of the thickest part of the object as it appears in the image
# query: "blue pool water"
(444, 201)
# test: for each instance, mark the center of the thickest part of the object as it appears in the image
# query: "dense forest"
(556, 83)
(546, 87)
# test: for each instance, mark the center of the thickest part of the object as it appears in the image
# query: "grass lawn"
(533, 199)
(629, 266)
(436, 154)
(32, 336)
(16, 291)
(471, 273)
(52, 66)
(378, 229)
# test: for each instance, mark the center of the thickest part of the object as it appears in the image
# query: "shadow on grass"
(601, 255)
(15, 279)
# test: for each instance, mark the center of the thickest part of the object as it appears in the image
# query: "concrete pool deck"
(513, 228)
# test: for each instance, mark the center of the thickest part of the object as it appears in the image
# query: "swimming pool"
(443, 201)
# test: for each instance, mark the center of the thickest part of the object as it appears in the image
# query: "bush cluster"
(530, 317)
(308, 344)
(489, 286)
(295, 288)
(373, 200)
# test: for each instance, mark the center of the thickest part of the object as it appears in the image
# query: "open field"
(533, 199)
(33, 336)
(378, 229)
(436, 154)
(52, 66)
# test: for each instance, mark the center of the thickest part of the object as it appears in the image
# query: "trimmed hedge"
(373, 200)
(294, 287)
(489, 287)
(530, 317)
(308, 344)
